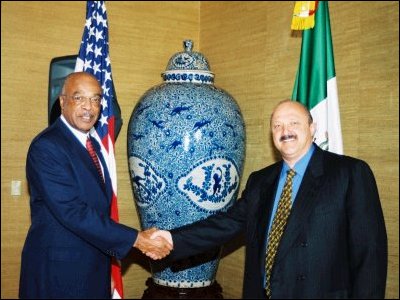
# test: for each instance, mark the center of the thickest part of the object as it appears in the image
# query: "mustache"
(287, 137)
(87, 114)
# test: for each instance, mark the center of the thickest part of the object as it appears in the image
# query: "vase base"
(156, 291)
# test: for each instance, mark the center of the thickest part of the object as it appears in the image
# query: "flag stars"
(105, 91)
(88, 23)
(97, 51)
(100, 19)
(94, 58)
(99, 34)
(108, 60)
(104, 103)
(96, 17)
(96, 68)
(103, 120)
(89, 48)
(107, 75)
(91, 31)
(87, 64)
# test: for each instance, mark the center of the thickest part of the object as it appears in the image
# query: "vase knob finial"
(188, 45)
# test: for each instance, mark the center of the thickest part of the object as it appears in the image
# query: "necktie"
(95, 159)
(278, 226)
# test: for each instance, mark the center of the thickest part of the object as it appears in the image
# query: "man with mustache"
(70, 243)
(333, 243)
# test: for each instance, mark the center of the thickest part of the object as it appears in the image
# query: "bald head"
(300, 105)
(72, 78)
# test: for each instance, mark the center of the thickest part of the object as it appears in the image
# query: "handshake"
(154, 243)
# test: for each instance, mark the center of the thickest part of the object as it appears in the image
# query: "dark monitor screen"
(60, 67)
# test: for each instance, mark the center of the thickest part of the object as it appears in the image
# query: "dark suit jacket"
(335, 243)
(68, 249)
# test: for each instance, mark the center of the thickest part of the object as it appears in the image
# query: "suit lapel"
(305, 201)
(76, 147)
(265, 203)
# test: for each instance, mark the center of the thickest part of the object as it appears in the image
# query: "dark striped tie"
(93, 155)
(278, 226)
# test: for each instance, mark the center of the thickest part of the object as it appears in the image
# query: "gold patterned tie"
(278, 226)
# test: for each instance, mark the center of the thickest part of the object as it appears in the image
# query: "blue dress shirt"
(300, 168)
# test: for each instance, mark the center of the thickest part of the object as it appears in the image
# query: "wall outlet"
(16, 187)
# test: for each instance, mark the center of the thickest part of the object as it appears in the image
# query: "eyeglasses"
(78, 99)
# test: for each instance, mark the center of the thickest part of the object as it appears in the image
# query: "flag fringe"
(303, 15)
(301, 23)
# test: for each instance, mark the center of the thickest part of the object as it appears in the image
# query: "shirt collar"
(82, 137)
(301, 166)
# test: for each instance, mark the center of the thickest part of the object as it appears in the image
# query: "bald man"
(70, 243)
(324, 237)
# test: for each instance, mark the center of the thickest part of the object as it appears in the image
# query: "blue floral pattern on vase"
(147, 183)
(211, 184)
(186, 143)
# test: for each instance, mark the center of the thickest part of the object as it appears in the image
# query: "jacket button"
(301, 277)
(304, 244)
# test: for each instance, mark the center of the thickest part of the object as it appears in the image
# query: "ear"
(61, 98)
(313, 129)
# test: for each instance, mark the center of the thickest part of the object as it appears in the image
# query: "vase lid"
(188, 66)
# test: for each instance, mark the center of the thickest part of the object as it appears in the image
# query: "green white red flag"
(315, 84)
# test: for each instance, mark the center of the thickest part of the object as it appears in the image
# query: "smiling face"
(80, 115)
(292, 130)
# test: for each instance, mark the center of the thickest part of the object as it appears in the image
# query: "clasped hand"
(154, 243)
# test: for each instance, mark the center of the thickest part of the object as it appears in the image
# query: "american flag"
(94, 58)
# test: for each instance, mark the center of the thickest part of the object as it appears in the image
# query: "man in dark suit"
(334, 242)
(68, 249)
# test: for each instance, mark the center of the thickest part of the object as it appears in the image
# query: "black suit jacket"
(334, 245)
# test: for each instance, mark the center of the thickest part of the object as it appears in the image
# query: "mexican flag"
(315, 84)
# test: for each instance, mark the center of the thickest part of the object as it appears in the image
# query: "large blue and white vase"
(186, 146)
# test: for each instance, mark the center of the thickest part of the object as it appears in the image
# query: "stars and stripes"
(94, 58)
